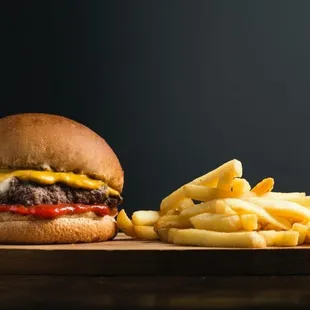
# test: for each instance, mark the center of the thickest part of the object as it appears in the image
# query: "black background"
(175, 87)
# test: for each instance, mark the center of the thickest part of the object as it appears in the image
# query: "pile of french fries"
(220, 209)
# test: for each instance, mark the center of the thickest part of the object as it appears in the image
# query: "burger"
(60, 182)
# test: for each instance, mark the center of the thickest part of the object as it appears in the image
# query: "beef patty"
(29, 193)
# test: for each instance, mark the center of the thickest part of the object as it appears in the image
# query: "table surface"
(152, 275)
(127, 257)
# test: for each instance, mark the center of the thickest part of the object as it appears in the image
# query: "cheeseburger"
(59, 182)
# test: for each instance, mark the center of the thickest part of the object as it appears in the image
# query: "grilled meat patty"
(29, 193)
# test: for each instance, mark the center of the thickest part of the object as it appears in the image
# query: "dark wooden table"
(149, 275)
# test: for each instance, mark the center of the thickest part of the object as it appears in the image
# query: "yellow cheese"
(48, 178)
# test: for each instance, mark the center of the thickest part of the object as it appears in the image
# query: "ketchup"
(52, 211)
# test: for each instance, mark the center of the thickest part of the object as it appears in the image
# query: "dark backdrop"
(175, 87)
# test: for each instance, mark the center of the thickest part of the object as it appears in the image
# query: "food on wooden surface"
(220, 209)
(60, 182)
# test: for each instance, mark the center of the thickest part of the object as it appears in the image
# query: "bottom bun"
(75, 229)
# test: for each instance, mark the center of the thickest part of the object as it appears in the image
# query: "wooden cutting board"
(125, 257)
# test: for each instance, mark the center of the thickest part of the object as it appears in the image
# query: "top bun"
(51, 142)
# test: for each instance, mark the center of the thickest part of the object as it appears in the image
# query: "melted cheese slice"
(49, 178)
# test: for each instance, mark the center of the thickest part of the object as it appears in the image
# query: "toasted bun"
(70, 229)
(51, 142)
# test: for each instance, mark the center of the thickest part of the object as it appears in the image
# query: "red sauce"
(52, 211)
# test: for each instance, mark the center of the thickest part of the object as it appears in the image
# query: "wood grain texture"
(256, 292)
(126, 257)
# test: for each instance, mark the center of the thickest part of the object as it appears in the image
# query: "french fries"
(141, 225)
(203, 193)
(225, 181)
(213, 206)
(217, 222)
(249, 222)
(125, 223)
(205, 238)
(299, 198)
(240, 187)
(280, 238)
(163, 234)
(172, 221)
(302, 230)
(246, 207)
(287, 209)
(145, 218)
(183, 204)
(145, 232)
(210, 179)
(263, 187)
(220, 209)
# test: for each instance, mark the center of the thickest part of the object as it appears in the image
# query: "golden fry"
(216, 222)
(225, 181)
(124, 223)
(263, 187)
(145, 218)
(163, 234)
(302, 229)
(280, 238)
(184, 204)
(299, 198)
(204, 193)
(145, 232)
(171, 234)
(205, 238)
(249, 222)
(240, 187)
(285, 196)
(213, 206)
(172, 221)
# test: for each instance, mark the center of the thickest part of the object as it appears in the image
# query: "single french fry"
(299, 198)
(172, 212)
(179, 206)
(205, 238)
(302, 229)
(240, 187)
(171, 234)
(234, 167)
(216, 222)
(280, 238)
(225, 181)
(263, 187)
(304, 201)
(145, 218)
(212, 206)
(272, 227)
(282, 208)
(247, 207)
(285, 196)
(145, 232)
(210, 179)
(184, 204)
(163, 234)
(124, 223)
(249, 222)
(204, 193)
(172, 221)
